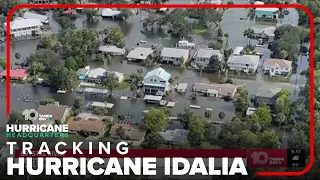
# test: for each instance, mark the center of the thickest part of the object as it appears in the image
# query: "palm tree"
(226, 35)
(248, 34)
(222, 115)
(110, 82)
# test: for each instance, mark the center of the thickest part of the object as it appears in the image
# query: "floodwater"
(231, 24)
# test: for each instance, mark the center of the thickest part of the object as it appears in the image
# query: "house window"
(155, 80)
(151, 80)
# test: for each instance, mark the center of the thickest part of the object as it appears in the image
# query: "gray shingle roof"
(178, 136)
(30, 15)
(173, 52)
(244, 59)
(208, 53)
(268, 93)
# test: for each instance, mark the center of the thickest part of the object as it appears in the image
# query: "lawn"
(201, 31)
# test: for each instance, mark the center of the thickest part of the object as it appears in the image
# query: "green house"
(266, 13)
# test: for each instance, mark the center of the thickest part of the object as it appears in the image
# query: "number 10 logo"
(260, 157)
(30, 114)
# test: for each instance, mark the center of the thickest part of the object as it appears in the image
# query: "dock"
(61, 92)
(195, 107)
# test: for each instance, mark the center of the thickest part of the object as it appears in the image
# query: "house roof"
(267, 93)
(20, 23)
(31, 15)
(244, 59)
(82, 71)
(97, 72)
(152, 98)
(267, 9)
(281, 63)
(208, 53)
(130, 131)
(259, 2)
(107, 12)
(95, 90)
(86, 122)
(182, 86)
(159, 72)
(223, 89)
(176, 136)
(269, 31)
(57, 111)
(111, 49)
(173, 52)
(16, 73)
(237, 50)
(140, 53)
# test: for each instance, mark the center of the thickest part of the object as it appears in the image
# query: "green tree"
(126, 13)
(16, 118)
(186, 116)
(91, 14)
(65, 22)
(220, 32)
(153, 141)
(63, 78)
(215, 64)
(210, 132)
(196, 126)
(135, 79)
(248, 34)
(222, 115)
(17, 55)
(110, 81)
(155, 120)
(248, 139)
(263, 113)
(48, 58)
(3, 63)
(6, 6)
(114, 36)
(78, 103)
(208, 114)
(298, 140)
(269, 140)
(242, 102)
(71, 63)
(37, 67)
(46, 101)
(280, 119)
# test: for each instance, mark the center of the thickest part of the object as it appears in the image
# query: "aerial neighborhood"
(163, 78)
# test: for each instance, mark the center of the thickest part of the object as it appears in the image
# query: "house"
(103, 105)
(175, 137)
(139, 54)
(266, 33)
(120, 76)
(15, 74)
(83, 72)
(30, 15)
(96, 93)
(266, 13)
(203, 56)
(266, 96)
(277, 67)
(21, 28)
(87, 123)
(96, 75)
(155, 81)
(152, 99)
(110, 13)
(186, 44)
(174, 56)
(182, 87)
(244, 63)
(215, 90)
(127, 132)
(58, 112)
(112, 50)
(237, 51)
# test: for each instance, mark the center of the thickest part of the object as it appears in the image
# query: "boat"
(195, 107)
(143, 42)
(61, 92)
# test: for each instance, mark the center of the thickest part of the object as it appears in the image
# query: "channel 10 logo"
(33, 115)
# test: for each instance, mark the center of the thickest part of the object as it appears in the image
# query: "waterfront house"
(30, 15)
(203, 56)
(266, 96)
(182, 87)
(58, 112)
(266, 13)
(127, 132)
(174, 56)
(15, 74)
(96, 93)
(215, 90)
(156, 81)
(244, 63)
(21, 28)
(139, 54)
(238, 51)
(265, 33)
(112, 50)
(83, 72)
(175, 137)
(110, 13)
(96, 75)
(277, 67)
(89, 124)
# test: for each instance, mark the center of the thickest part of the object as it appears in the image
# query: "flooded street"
(231, 24)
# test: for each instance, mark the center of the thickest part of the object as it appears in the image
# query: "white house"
(112, 50)
(96, 75)
(21, 28)
(277, 67)
(215, 90)
(174, 56)
(245, 63)
(30, 15)
(109, 13)
(156, 81)
(203, 56)
(237, 51)
(139, 54)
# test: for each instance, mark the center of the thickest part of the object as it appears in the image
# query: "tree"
(17, 55)
(78, 103)
(186, 116)
(226, 35)
(263, 113)
(155, 120)
(46, 101)
(196, 126)
(298, 140)
(171, 81)
(215, 64)
(242, 102)
(6, 6)
(3, 63)
(65, 22)
(208, 114)
(91, 14)
(210, 132)
(220, 33)
(126, 13)
(280, 119)
(48, 58)
(16, 118)
(110, 81)
(248, 34)
(114, 36)
(37, 67)
(101, 111)
(135, 79)
(153, 141)
(71, 63)
(269, 140)
(222, 115)
(248, 139)
(63, 78)
(215, 45)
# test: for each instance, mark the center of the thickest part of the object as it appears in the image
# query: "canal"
(231, 24)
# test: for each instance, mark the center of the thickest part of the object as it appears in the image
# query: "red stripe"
(159, 153)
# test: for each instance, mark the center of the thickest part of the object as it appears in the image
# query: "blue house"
(83, 72)
(266, 13)
(156, 81)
